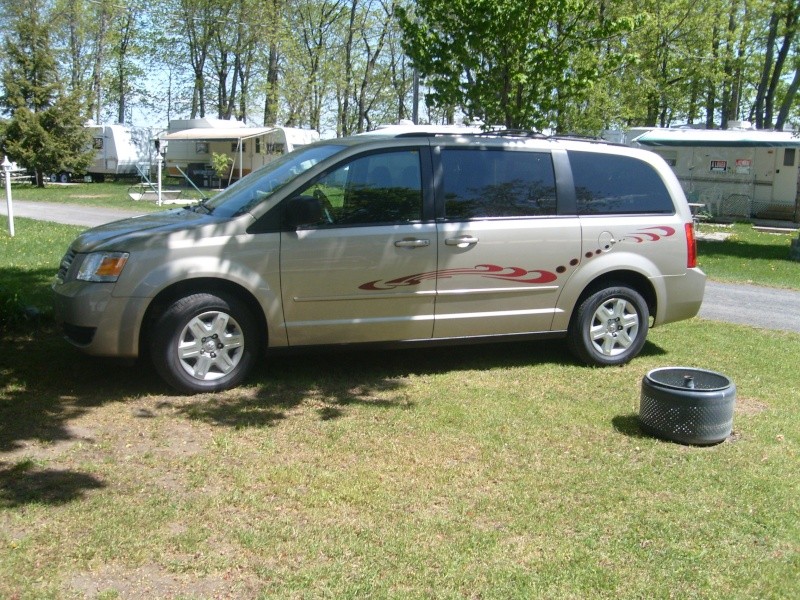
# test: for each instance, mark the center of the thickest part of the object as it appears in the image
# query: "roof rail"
(516, 133)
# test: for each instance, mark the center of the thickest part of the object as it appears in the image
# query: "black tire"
(609, 327)
(205, 343)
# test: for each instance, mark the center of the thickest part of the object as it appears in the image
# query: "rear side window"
(611, 184)
(486, 183)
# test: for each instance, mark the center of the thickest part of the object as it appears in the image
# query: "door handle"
(412, 243)
(462, 241)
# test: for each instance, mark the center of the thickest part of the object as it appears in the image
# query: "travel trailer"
(735, 173)
(191, 144)
(120, 150)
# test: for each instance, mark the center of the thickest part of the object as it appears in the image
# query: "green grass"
(109, 194)
(478, 471)
(28, 263)
(749, 256)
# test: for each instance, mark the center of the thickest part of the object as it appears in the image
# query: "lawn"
(111, 194)
(499, 471)
(749, 256)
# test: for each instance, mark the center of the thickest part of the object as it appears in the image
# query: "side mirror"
(302, 211)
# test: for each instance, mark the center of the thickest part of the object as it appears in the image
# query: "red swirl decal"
(650, 234)
(516, 274)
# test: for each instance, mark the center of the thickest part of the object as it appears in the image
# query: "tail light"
(691, 247)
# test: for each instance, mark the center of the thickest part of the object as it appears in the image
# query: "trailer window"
(788, 157)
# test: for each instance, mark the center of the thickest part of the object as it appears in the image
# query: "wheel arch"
(623, 277)
(203, 285)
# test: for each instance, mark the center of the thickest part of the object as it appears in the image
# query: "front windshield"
(252, 190)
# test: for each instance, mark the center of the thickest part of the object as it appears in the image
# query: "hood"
(119, 235)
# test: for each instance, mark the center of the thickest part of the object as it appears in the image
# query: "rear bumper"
(684, 296)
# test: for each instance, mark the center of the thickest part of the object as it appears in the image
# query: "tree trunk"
(766, 70)
(271, 100)
(788, 100)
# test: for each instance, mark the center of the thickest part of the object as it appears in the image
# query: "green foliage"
(46, 132)
(511, 61)
(221, 164)
(30, 76)
(338, 65)
(50, 141)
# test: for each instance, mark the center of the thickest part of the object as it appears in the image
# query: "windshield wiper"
(201, 206)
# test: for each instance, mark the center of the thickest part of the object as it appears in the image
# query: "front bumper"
(96, 321)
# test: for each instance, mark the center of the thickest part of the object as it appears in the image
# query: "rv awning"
(719, 138)
(213, 134)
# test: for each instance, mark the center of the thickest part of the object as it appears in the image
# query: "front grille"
(66, 263)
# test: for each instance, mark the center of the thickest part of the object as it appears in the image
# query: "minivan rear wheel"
(204, 343)
(609, 327)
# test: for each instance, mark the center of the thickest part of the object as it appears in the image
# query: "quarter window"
(612, 184)
(487, 183)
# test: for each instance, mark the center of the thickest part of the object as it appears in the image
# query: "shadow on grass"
(46, 383)
(333, 379)
(24, 295)
(24, 484)
(629, 425)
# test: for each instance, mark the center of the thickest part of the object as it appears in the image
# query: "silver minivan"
(393, 238)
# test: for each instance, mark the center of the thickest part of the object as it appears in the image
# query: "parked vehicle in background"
(401, 236)
(121, 150)
(191, 144)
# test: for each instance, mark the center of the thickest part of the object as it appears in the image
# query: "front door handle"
(411, 243)
(462, 241)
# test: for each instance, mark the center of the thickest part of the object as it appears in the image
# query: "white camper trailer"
(189, 150)
(120, 150)
(734, 173)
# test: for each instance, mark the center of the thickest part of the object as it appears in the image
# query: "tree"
(505, 61)
(784, 25)
(46, 130)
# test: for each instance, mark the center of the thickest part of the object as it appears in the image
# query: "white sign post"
(159, 160)
(7, 170)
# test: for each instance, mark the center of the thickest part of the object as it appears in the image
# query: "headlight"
(103, 266)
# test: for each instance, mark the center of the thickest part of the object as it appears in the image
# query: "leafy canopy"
(45, 132)
(511, 62)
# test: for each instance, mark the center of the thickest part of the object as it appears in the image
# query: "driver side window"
(384, 188)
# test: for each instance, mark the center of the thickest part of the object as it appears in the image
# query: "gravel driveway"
(754, 305)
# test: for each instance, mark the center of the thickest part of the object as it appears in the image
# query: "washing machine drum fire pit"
(686, 405)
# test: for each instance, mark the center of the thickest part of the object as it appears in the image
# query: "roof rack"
(516, 133)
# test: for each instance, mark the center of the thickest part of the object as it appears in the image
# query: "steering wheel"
(327, 207)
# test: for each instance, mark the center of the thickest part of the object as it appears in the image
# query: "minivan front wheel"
(204, 343)
(609, 327)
